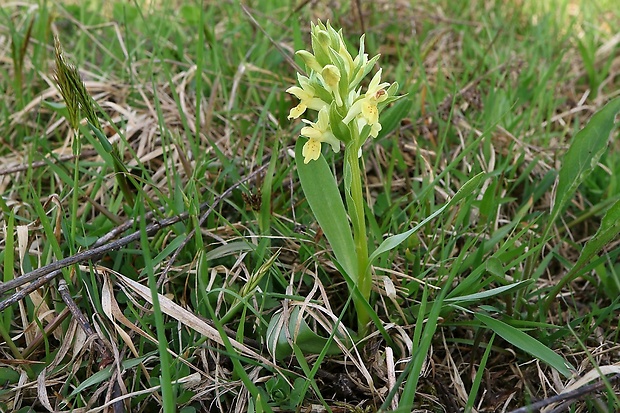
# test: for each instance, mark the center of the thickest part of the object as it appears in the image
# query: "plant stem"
(356, 212)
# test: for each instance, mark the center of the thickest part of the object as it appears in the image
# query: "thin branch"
(571, 395)
(19, 295)
(284, 54)
(81, 319)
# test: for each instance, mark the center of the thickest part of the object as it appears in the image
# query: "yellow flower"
(317, 133)
(367, 105)
(306, 95)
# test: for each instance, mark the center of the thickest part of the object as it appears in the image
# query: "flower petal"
(298, 92)
(331, 77)
(375, 129)
(297, 111)
(309, 60)
(374, 83)
(312, 132)
(330, 138)
(354, 110)
(311, 150)
(323, 122)
(315, 103)
(370, 111)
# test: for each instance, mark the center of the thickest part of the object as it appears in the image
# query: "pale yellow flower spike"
(332, 89)
(374, 129)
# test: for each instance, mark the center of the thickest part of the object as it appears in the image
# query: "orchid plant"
(347, 115)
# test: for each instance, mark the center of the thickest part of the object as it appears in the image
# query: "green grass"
(192, 100)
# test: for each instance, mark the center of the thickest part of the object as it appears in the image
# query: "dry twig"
(568, 396)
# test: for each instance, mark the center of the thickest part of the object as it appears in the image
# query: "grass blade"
(607, 232)
(527, 343)
(582, 157)
(395, 240)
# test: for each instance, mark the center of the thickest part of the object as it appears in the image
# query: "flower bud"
(323, 39)
(309, 60)
(331, 76)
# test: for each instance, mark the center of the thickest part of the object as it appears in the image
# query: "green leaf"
(475, 386)
(8, 376)
(323, 196)
(489, 293)
(495, 266)
(105, 143)
(582, 157)
(607, 232)
(391, 117)
(59, 107)
(106, 373)
(395, 240)
(527, 343)
(423, 338)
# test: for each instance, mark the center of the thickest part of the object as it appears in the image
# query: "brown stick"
(19, 295)
(571, 395)
(88, 255)
(63, 289)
